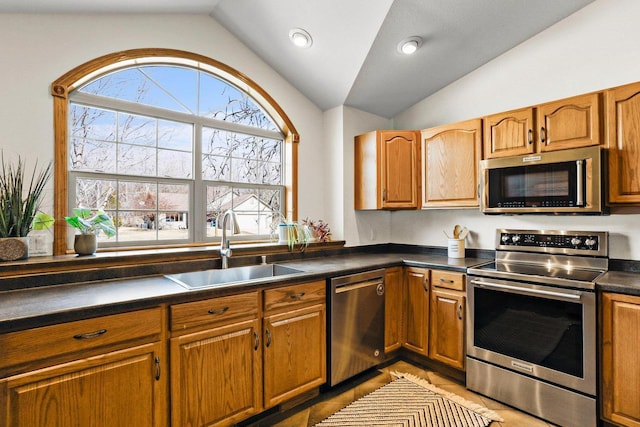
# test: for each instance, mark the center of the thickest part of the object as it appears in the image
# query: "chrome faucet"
(225, 247)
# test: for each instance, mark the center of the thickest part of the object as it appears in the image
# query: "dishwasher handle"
(378, 283)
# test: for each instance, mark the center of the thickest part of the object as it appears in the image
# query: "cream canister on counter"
(455, 248)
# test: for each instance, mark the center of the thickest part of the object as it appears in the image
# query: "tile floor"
(341, 396)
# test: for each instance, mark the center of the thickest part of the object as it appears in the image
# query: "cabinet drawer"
(214, 310)
(448, 279)
(294, 295)
(66, 339)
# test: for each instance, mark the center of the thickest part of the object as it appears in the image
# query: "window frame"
(66, 84)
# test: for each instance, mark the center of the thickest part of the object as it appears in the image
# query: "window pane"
(133, 160)
(137, 195)
(93, 123)
(175, 135)
(179, 82)
(138, 130)
(174, 164)
(94, 156)
(96, 193)
(136, 226)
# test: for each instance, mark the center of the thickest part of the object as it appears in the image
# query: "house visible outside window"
(166, 149)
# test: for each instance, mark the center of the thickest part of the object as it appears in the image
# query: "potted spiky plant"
(89, 226)
(20, 208)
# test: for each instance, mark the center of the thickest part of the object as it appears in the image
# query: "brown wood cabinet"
(393, 308)
(567, 123)
(450, 158)
(387, 169)
(294, 335)
(509, 134)
(446, 332)
(101, 376)
(570, 123)
(416, 318)
(216, 361)
(623, 144)
(620, 369)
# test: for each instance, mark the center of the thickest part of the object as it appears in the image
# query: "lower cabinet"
(122, 381)
(228, 362)
(620, 369)
(446, 332)
(393, 308)
(416, 310)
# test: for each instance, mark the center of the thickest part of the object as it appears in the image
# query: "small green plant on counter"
(87, 223)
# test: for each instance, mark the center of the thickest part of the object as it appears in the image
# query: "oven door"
(540, 331)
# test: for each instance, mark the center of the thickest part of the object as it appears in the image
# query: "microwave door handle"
(580, 182)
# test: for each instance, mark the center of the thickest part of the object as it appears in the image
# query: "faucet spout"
(225, 247)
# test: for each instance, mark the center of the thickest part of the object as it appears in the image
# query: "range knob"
(515, 238)
(590, 242)
(505, 238)
(576, 241)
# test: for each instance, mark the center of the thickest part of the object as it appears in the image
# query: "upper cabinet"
(387, 170)
(509, 134)
(568, 123)
(450, 158)
(623, 143)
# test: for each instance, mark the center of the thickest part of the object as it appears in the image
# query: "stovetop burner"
(561, 258)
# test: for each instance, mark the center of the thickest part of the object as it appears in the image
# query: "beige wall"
(593, 49)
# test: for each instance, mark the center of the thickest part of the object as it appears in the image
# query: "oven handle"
(484, 284)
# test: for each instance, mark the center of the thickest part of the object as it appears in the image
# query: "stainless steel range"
(531, 339)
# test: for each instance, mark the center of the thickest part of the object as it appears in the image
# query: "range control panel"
(586, 242)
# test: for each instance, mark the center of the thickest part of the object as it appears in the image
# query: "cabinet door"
(216, 375)
(399, 157)
(450, 157)
(620, 367)
(393, 279)
(570, 123)
(294, 353)
(446, 334)
(623, 141)
(417, 310)
(509, 134)
(121, 388)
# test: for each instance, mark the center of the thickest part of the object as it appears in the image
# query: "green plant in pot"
(20, 208)
(89, 226)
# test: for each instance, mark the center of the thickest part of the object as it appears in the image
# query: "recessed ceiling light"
(409, 45)
(300, 38)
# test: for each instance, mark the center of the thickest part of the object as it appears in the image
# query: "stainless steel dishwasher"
(356, 329)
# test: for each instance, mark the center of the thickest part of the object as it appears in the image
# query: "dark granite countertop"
(619, 281)
(33, 307)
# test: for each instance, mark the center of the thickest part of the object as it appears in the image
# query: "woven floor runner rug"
(410, 401)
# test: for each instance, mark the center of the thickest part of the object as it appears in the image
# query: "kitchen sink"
(214, 277)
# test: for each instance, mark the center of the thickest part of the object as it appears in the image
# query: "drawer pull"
(256, 337)
(443, 280)
(157, 362)
(268, 343)
(218, 311)
(297, 296)
(90, 335)
(459, 311)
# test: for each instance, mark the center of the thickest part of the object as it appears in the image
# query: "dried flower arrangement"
(319, 229)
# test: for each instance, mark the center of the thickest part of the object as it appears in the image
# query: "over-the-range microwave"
(557, 182)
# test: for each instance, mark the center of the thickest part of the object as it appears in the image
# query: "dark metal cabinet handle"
(90, 335)
(543, 135)
(425, 285)
(157, 362)
(443, 280)
(530, 136)
(268, 343)
(297, 296)
(218, 311)
(460, 311)
(256, 338)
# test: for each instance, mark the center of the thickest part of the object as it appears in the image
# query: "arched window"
(165, 142)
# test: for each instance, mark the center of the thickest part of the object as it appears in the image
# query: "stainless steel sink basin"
(212, 278)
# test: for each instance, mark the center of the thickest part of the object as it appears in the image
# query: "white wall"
(38, 49)
(595, 48)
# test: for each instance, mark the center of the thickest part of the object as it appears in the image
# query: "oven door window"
(537, 330)
(551, 184)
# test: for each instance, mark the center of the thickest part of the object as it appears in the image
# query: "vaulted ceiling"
(354, 58)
